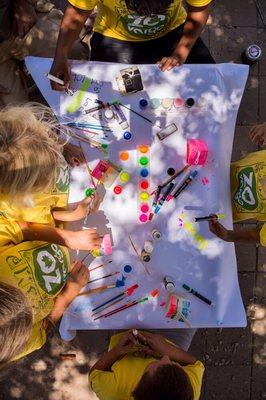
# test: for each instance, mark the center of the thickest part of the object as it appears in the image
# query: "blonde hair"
(30, 149)
(16, 320)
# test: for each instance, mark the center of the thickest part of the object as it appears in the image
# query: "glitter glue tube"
(121, 116)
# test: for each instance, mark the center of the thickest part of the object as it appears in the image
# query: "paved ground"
(235, 359)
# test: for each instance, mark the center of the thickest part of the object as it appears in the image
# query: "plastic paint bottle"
(251, 54)
(156, 234)
(169, 284)
(145, 256)
(148, 246)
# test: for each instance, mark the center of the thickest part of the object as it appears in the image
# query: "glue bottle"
(169, 284)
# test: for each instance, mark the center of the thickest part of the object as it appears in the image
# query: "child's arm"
(87, 239)
(251, 235)
(78, 278)
(84, 207)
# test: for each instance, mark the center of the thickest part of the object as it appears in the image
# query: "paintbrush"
(103, 277)
(135, 112)
(97, 290)
(100, 266)
(153, 293)
(174, 176)
(113, 300)
(136, 251)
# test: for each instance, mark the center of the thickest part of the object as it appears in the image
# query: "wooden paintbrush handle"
(96, 290)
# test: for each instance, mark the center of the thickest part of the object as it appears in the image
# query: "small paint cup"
(124, 176)
(178, 102)
(144, 184)
(118, 189)
(167, 103)
(144, 172)
(127, 135)
(124, 156)
(144, 196)
(144, 208)
(143, 103)
(143, 218)
(143, 148)
(155, 103)
(144, 161)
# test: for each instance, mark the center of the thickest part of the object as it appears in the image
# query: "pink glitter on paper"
(205, 181)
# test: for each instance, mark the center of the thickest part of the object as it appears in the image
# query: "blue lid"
(144, 172)
(143, 102)
(127, 135)
(193, 174)
(127, 268)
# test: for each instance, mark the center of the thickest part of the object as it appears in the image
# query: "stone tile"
(262, 99)
(242, 144)
(247, 284)
(227, 44)
(258, 390)
(205, 36)
(198, 345)
(262, 43)
(248, 110)
(262, 258)
(228, 347)
(260, 288)
(246, 253)
(228, 383)
(232, 13)
(259, 351)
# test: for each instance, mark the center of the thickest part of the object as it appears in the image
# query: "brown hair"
(169, 382)
(16, 319)
(30, 149)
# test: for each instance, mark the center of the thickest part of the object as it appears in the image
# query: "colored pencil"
(121, 296)
(122, 308)
(97, 290)
(175, 176)
(103, 277)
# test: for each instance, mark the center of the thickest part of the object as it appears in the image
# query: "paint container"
(178, 102)
(251, 54)
(127, 135)
(121, 117)
(145, 256)
(148, 246)
(143, 104)
(156, 235)
(189, 102)
(169, 284)
(167, 103)
(155, 103)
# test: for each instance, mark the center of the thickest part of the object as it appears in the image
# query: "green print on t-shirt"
(144, 26)
(246, 194)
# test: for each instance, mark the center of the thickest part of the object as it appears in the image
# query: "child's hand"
(126, 343)
(154, 345)
(88, 205)
(219, 230)
(86, 239)
(258, 134)
(79, 277)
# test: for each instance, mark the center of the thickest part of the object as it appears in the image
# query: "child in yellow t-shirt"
(146, 366)
(34, 179)
(248, 183)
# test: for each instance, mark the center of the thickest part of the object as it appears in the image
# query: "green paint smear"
(79, 96)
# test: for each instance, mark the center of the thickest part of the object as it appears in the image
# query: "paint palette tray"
(143, 162)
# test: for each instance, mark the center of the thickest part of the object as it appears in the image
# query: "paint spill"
(189, 227)
(79, 96)
(205, 181)
(180, 222)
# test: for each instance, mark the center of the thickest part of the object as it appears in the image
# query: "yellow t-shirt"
(42, 204)
(125, 374)
(39, 269)
(116, 21)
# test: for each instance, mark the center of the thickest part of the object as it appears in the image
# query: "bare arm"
(71, 25)
(251, 235)
(78, 278)
(77, 240)
(83, 208)
(194, 24)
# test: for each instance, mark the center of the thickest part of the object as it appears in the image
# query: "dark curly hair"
(169, 382)
(148, 7)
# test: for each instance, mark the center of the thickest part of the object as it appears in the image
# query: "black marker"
(198, 295)
(185, 184)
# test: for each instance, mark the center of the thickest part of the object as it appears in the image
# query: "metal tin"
(251, 54)
(169, 284)
(156, 234)
(145, 256)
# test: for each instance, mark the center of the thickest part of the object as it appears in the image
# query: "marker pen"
(198, 295)
(185, 184)
(211, 217)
